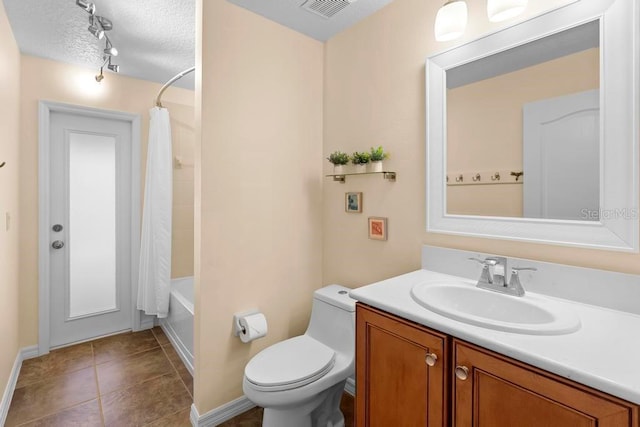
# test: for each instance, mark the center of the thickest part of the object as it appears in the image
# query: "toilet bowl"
(299, 381)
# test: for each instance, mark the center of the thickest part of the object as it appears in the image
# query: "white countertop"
(604, 353)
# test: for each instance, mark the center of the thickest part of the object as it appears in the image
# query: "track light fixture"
(98, 26)
(87, 6)
(113, 67)
(109, 49)
(96, 30)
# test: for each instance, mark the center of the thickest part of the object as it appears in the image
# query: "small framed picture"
(377, 228)
(353, 202)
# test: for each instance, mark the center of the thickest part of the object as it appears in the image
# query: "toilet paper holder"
(237, 327)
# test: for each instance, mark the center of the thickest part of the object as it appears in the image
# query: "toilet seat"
(290, 364)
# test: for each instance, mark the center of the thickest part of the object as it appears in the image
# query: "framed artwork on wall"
(353, 202)
(377, 228)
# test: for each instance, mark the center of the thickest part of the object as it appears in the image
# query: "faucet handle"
(514, 282)
(516, 270)
(489, 262)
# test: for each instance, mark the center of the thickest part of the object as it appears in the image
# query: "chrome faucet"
(493, 276)
(493, 272)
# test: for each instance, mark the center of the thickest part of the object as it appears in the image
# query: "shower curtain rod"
(170, 82)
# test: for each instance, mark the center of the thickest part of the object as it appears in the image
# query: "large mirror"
(532, 131)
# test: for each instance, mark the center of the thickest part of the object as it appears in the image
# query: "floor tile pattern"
(126, 380)
(132, 379)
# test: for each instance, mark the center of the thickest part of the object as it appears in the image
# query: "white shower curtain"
(155, 247)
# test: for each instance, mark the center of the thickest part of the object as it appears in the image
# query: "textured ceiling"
(290, 13)
(155, 38)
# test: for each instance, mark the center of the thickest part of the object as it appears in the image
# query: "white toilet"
(299, 382)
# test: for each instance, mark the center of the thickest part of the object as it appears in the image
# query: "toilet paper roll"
(253, 326)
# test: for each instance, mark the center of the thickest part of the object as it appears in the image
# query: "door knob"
(57, 244)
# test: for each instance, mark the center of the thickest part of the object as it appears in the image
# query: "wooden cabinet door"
(501, 392)
(396, 387)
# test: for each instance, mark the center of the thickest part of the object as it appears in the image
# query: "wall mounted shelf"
(342, 178)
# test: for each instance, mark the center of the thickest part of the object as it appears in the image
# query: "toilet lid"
(289, 364)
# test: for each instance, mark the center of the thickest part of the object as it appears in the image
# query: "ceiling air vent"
(326, 8)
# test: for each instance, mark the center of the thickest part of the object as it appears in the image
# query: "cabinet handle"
(462, 372)
(431, 359)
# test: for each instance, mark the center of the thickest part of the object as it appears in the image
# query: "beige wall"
(54, 81)
(485, 128)
(259, 202)
(374, 94)
(9, 239)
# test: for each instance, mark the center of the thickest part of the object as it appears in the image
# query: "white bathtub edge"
(185, 355)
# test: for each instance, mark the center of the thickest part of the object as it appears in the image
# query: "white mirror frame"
(619, 104)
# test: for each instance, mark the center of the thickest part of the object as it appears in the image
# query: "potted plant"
(360, 160)
(377, 156)
(338, 159)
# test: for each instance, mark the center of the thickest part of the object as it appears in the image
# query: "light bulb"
(96, 31)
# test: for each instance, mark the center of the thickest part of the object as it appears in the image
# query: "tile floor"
(133, 379)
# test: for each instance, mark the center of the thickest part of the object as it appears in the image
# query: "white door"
(562, 157)
(89, 227)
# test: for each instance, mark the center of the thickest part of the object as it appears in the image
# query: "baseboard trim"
(350, 386)
(147, 322)
(23, 354)
(236, 407)
(220, 414)
(29, 352)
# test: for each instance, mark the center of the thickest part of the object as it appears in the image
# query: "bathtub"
(178, 326)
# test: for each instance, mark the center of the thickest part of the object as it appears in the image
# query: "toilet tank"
(333, 318)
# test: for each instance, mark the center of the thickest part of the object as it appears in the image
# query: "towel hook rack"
(2, 164)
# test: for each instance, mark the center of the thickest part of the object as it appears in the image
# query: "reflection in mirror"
(523, 130)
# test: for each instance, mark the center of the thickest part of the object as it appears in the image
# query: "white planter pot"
(361, 168)
(376, 166)
(338, 169)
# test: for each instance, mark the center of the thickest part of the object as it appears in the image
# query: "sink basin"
(464, 302)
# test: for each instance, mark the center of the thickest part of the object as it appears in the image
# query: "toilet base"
(322, 411)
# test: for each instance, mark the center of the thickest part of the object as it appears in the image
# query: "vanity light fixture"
(501, 10)
(451, 20)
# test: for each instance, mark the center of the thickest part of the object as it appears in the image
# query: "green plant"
(360, 158)
(338, 158)
(378, 154)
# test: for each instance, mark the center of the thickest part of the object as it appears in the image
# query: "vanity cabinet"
(494, 390)
(466, 386)
(400, 372)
